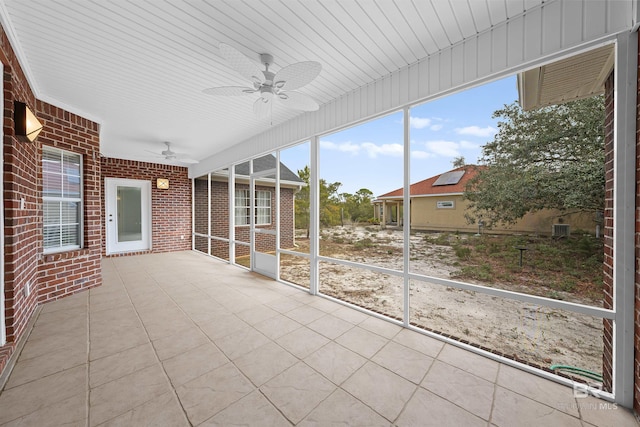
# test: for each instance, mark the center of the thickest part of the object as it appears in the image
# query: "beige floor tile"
(540, 389)
(257, 314)
(428, 409)
(185, 340)
(361, 341)
(212, 392)
(335, 362)
(70, 412)
(265, 362)
(73, 301)
(117, 342)
(420, 342)
(460, 387)
(252, 410)
(193, 363)
(382, 390)
(241, 342)
(167, 326)
(55, 321)
(43, 345)
(302, 342)
(480, 366)
(50, 363)
(343, 409)
(381, 327)
(350, 315)
(117, 397)
(511, 409)
(305, 314)
(222, 325)
(36, 395)
(284, 305)
(296, 391)
(330, 326)
(325, 305)
(118, 365)
(601, 413)
(277, 326)
(406, 362)
(164, 410)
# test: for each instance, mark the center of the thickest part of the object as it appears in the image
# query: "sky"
(370, 155)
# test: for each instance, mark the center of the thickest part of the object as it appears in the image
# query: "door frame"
(110, 185)
(261, 263)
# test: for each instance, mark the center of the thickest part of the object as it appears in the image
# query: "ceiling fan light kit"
(272, 87)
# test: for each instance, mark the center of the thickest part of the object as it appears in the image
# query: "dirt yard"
(524, 331)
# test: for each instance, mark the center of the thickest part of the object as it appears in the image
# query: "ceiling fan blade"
(261, 108)
(243, 65)
(229, 91)
(298, 101)
(297, 75)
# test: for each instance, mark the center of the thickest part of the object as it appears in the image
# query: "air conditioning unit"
(560, 230)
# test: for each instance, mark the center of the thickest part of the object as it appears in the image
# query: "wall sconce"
(26, 124)
(162, 183)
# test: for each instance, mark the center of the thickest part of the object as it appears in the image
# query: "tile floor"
(181, 339)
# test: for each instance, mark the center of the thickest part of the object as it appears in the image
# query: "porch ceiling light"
(27, 126)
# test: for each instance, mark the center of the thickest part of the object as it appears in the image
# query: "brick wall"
(220, 220)
(170, 209)
(30, 277)
(607, 356)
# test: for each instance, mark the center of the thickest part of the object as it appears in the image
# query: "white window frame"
(445, 204)
(63, 199)
(242, 196)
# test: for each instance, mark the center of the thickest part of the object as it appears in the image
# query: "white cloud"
(436, 127)
(371, 149)
(468, 145)
(345, 147)
(444, 148)
(418, 154)
(477, 131)
(419, 122)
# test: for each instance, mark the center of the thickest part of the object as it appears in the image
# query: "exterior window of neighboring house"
(445, 204)
(62, 200)
(263, 207)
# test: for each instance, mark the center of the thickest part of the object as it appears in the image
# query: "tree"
(550, 158)
(358, 206)
(458, 162)
(330, 202)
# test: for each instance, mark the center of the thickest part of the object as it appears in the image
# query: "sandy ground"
(539, 335)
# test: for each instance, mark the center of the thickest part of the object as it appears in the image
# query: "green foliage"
(550, 158)
(335, 208)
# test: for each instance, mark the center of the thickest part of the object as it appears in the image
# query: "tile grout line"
(173, 389)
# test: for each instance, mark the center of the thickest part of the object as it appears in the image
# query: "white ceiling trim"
(502, 50)
(26, 69)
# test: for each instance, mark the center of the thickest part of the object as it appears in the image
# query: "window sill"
(59, 256)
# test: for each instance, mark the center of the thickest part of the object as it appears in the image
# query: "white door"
(262, 233)
(128, 215)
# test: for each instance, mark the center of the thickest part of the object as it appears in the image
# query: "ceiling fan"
(172, 156)
(272, 87)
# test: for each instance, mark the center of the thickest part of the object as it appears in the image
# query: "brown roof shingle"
(426, 187)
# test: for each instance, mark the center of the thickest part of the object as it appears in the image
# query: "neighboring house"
(265, 216)
(437, 204)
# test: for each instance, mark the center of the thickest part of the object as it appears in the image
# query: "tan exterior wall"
(425, 215)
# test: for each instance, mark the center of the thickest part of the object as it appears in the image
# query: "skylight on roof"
(449, 178)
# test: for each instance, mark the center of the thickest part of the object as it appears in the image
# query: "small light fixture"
(27, 126)
(162, 183)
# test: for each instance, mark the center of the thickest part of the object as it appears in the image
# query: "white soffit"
(573, 78)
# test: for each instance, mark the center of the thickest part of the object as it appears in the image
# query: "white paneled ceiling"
(139, 66)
